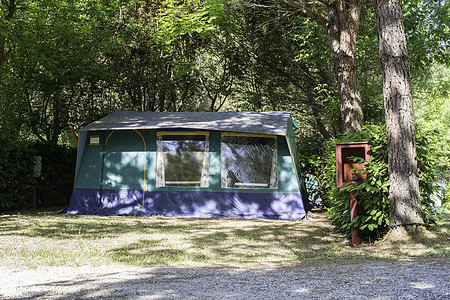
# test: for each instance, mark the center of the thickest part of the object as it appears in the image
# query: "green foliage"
(17, 183)
(432, 108)
(429, 159)
(72, 62)
(58, 171)
(427, 32)
(16, 174)
(56, 49)
(432, 112)
(328, 96)
(373, 194)
(176, 19)
(446, 198)
(372, 197)
(369, 75)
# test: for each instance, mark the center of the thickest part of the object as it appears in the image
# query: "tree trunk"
(74, 136)
(3, 56)
(342, 33)
(11, 9)
(342, 28)
(404, 196)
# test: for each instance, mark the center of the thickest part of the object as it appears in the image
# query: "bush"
(373, 194)
(17, 183)
(446, 198)
(16, 174)
(58, 171)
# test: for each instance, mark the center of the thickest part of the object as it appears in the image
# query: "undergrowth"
(373, 194)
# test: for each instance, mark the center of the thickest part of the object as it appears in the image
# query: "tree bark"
(342, 33)
(74, 136)
(341, 25)
(404, 196)
(4, 53)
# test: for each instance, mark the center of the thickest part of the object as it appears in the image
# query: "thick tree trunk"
(342, 33)
(404, 197)
(341, 25)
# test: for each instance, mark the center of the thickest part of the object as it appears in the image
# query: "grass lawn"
(36, 239)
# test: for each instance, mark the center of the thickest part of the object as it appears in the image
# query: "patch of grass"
(418, 243)
(50, 239)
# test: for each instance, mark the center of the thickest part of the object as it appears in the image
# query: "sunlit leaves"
(373, 193)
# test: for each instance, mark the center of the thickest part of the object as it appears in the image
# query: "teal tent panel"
(125, 162)
(293, 149)
(80, 149)
(287, 179)
(89, 172)
(296, 161)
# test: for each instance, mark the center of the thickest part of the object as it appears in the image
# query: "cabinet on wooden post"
(347, 173)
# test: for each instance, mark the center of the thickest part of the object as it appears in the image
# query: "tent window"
(249, 161)
(94, 140)
(182, 159)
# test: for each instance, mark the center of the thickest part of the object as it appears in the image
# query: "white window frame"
(273, 183)
(160, 164)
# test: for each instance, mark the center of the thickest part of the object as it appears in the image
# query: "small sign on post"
(346, 175)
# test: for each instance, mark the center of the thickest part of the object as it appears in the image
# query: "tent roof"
(269, 122)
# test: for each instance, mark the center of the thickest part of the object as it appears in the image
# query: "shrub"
(373, 194)
(446, 197)
(16, 174)
(58, 171)
(18, 187)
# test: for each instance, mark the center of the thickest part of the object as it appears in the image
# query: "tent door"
(124, 167)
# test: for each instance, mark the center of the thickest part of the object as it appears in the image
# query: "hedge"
(19, 187)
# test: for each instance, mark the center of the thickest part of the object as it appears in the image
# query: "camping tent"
(202, 164)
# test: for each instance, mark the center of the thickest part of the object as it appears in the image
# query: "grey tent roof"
(269, 122)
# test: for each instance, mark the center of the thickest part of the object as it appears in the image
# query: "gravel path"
(367, 280)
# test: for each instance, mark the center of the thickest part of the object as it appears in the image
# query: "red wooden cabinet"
(344, 165)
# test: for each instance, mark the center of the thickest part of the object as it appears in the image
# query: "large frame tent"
(197, 164)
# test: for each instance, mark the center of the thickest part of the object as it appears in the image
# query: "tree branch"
(307, 11)
(11, 10)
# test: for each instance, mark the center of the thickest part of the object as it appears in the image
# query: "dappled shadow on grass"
(151, 252)
(143, 253)
(63, 227)
(147, 241)
(90, 227)
(210, 243)
(418, 244)
(165, 240)
(219, 242)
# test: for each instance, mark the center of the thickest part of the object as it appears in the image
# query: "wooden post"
(353, 214)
